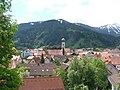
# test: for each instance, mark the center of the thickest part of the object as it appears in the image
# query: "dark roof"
(114, 79)
(113, 70)
(42, 69)
(45, 83)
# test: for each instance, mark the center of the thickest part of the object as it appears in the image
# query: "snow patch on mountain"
(31, 23)
(111, 28)
(60, 20)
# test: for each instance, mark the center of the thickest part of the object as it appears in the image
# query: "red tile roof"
(115, 60)
(67, 50)
(45, 83)
(54, 51)
(114, 51)
(77, 51)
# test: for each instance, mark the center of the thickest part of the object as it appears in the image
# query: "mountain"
(42, 33)
(111, 29)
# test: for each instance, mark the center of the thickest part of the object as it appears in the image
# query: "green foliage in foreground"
(85, 74)
(9, 78)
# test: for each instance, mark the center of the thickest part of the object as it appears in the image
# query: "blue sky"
(91, 12)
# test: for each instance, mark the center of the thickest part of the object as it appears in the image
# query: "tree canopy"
(10, 77)
(7, 30)
(86, 74)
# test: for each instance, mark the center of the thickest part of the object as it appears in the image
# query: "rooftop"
(45, 83)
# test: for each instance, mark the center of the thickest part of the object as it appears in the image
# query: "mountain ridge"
(50, 32)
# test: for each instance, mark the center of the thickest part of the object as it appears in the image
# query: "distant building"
(115, 60)
(111, 69)
(54, 51)
(25, 53)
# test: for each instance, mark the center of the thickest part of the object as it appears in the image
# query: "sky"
(91, 12)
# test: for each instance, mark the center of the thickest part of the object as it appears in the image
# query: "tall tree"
(100, 74)
(86, 74)
(79, 72)
(10, 77)
(90, 72)
(7, 30)
(42, 59)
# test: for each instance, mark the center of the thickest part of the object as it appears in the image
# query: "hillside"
(37, 34)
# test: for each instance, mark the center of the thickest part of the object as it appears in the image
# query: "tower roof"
(63, 39)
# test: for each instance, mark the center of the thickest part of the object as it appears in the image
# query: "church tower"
(63, 46)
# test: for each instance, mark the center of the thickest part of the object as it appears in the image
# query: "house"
(44, 83)
(67, 51)
(39, 70)
(26, 53)
(105, 56)
(78, 51)
(114, 52)
(14, 61)
(57, 51)
(111, 69)
(115, 60)
(39, 52)
(34, 59)
(114, 80)
(64, 58)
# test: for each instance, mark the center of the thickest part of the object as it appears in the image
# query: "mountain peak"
(112, 29)
(114, 25)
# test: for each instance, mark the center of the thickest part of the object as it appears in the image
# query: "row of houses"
(35, 69)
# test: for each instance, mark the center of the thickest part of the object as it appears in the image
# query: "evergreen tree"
(42, 59)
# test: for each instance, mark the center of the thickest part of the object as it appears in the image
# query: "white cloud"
(91, 12)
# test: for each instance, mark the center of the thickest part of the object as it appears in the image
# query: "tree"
(91, 73)
(79, 73)
(57, 61)
(81, 87)
(7, 30)
(10, 77)
(85, 74)
(42, 59)
(100, 74)
(118, 86)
